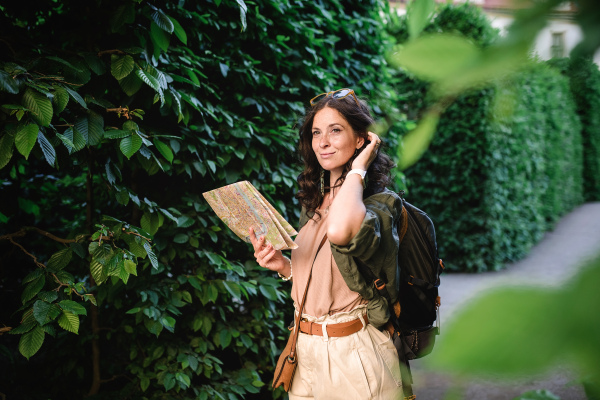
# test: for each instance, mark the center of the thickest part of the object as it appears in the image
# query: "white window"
(558, 44)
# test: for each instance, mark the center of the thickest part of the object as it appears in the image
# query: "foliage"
(554, 325)
(511, 148)
(584, 78)
(116, 116)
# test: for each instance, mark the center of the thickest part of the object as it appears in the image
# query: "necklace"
(330, 201)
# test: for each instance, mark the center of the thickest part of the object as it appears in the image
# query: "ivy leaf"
(163, 21)
(164, 150)
(47, 148)
(39, 106)
(69, 322)
(26, 138)
(60, 99)
(130, 145)
(6, 149)
(121, 66)
(31, 342)
(73, 306)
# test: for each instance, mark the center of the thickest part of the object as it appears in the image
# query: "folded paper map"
(241, 206)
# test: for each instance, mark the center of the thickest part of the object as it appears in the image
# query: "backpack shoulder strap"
(403, 222)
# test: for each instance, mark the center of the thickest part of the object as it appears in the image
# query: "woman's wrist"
(283, 273)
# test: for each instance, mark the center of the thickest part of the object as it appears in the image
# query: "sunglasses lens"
(341, 93)
(318, 98)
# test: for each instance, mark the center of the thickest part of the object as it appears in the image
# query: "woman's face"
(333, 140)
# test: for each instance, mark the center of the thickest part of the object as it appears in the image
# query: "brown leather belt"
(333, 330)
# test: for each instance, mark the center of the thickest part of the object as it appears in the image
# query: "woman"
(342, 351)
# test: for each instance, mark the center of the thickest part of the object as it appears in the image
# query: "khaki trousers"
(360, 366)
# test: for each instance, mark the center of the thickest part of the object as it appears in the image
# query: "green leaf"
(73, 306)
(73, 139)
(159, 37)
(150, 222)
(39, 106)
(28, 206)
(122, 15)
(130, 267)
(41, 311)
(418, 14)
(130, 145)
(60, 99)
(184, 379)
(47, 148)
(95, 128)
(26, 138)
(151, 255)
(243, 11)
(60, 259)
(164, 150)
(97, 272)
(149, 80)
(163, 21)
(131, 84)
(116, 133)
(6, 149)
(69, 322)
(121, 66)
(8, 83)
(64, 62)
(225, 338)
(179, 31)
(416, 142)
(32, 289)
(31, 342)
(436, 57)
(269, 292)
(77, 97)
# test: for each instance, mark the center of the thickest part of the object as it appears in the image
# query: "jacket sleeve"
(377, 238)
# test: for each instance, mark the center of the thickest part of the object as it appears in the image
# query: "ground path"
(553, 261)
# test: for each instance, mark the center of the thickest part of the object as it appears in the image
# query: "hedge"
(116, 116)
(584, 78)
(505, 163)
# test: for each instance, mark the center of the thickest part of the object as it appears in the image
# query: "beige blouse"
(328, 293)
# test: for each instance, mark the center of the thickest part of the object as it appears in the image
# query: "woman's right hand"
(267, 257)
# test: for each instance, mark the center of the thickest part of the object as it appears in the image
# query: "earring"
(322, 183)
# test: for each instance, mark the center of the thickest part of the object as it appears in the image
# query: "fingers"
(256, 243)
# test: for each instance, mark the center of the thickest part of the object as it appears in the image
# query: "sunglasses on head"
(336, 94)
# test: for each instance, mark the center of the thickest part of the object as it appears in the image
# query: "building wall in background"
(559, 37)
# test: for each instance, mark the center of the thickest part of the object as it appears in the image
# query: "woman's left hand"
(368, 154)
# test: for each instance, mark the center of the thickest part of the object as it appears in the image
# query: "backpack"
(419, 267)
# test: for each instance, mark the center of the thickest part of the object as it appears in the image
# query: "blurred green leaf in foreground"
(527, 329)
(454, 65)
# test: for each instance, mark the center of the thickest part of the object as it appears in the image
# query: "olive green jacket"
(376, 245)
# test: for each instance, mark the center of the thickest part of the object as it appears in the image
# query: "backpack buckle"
(379, 284)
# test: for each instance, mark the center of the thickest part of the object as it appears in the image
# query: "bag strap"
(292, 355)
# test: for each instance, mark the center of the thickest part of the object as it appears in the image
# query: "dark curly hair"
(378, 174)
